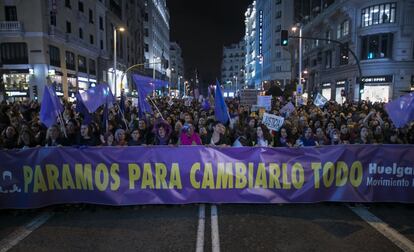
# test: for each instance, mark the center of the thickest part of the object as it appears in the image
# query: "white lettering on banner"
(398, 171)
(265, 102)
(273, 122)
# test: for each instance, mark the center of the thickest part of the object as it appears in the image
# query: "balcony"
(11, 26)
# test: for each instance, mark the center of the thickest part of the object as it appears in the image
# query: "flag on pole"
(81, 109)
(51, 107)
(144, 86)
(97, 96)
(401, 110)
(220, 107)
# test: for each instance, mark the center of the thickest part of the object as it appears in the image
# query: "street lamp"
(179, 91)
(261, 59)
(294, 29)
(185, 86)
(169, 84)
(235, 77)
(121, 29)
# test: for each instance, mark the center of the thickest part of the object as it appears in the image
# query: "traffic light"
(343, 54)
(284, 37)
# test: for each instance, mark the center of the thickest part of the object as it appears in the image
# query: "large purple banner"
(168, 175)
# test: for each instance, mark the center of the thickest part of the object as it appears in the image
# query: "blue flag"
(401, 110)
(81, 109)
(144, 86)
(97, 96)
(220, 107)
(50, 108)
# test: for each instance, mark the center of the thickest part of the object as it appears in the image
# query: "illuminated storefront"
(56, 80)
(83, 83)
(340, 91)
(16, 84)
(377, 88)
(72, 85)
(326, 90)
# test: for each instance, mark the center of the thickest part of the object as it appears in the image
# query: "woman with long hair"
(262, 138)
(53, 136)
(26, 140)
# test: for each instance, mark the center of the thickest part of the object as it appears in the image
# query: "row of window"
(378, 14)
(376, 46)
(70, 61)
(17, 53)
(69, 30)
(80, 9)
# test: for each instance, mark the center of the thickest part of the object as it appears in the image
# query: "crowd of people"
(191, 123)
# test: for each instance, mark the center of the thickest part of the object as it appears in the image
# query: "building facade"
(380, 33)
(251, 39)
(157, 38)
(277, 15)
(66, 43)
(232, 67)
(176, 66)
(266, 60)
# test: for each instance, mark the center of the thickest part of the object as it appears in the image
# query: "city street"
(244, 125)
(308, 227)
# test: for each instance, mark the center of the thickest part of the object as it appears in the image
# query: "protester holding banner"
(120, 138)
(262, 136)
(9, 137)
(53, 137)
(86, 138)
(188, 136)
(282, 139)
(364, 136)
(162, 132)
(26, 140)
(136, 138)
(107, 139)
(217, 137)
(307, 139)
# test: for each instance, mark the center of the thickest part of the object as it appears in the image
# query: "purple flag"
(220, 107)
(51, 107)
(97, 96)
(401, 110)
(144, 86)
(81, 109)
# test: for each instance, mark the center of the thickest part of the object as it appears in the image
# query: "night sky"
(201, 28)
